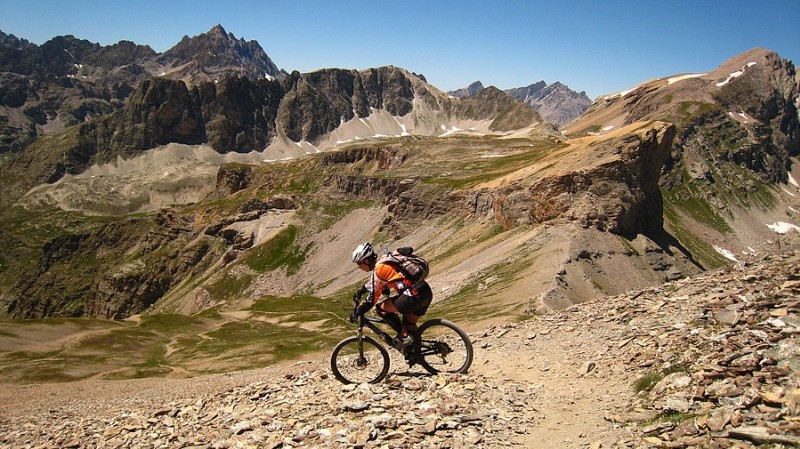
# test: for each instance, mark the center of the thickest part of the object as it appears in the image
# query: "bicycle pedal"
(402, 342)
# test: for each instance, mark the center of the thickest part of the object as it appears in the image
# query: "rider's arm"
(384, 276)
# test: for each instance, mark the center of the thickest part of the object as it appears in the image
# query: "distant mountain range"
(556, 103)
(68, 80)
(137, 182)
(217, 90)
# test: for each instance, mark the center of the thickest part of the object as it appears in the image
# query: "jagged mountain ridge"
(469, 91)
(556, 103)
(216, 55)
(301, 114)
(209, 56)
(67, 80)
(682, 96)
(268, 112)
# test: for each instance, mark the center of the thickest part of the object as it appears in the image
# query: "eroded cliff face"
(737, 126)
(611, 184)
(317, 103)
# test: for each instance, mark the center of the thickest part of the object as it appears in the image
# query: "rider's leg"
(413, 307)
(386, 312)
(388, 306)
(410, 323)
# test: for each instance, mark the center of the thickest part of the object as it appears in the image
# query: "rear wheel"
(444, 347)
(359, 362)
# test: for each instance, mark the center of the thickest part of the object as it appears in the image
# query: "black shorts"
(418, 305)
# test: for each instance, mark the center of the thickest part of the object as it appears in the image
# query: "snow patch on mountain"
(782, 227)
(675, 79)
(736, 74)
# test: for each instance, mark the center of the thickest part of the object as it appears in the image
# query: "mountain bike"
(438, 345)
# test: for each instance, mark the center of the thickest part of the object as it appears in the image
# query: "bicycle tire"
(437, 340)
(349, 368)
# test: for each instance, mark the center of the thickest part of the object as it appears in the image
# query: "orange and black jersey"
(385, 275)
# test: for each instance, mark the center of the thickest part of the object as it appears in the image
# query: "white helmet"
(363, 251)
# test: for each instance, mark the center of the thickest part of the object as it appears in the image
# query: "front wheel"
(443, 347)
(355, 362)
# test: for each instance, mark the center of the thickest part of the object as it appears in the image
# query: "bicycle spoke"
(351, 364)
(444, 348)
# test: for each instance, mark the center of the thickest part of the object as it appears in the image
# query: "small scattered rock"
(723, 350)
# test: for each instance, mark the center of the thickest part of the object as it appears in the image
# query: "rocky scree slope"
(707, 361)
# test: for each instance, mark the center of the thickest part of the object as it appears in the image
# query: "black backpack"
(413, 267)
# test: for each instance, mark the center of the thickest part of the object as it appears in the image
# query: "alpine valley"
(203, 196)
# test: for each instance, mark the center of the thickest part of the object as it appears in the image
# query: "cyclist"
(411, 302)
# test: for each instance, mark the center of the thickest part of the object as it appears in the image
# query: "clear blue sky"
(598, 47)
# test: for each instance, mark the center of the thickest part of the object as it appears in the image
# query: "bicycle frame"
(372, 324)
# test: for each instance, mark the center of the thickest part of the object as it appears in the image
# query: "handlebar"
(358, 304)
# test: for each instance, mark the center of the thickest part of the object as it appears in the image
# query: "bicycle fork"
(362, 360)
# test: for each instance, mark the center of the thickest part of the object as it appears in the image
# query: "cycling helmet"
(363, 252)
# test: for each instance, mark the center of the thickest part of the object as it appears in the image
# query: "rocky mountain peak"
(218, 30)
(220, 54)
(9, 40)
(469, 91)
(556, 103)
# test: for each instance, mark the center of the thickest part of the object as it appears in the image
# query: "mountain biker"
(411, 302)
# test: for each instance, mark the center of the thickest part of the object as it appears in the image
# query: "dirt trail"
(577, 402)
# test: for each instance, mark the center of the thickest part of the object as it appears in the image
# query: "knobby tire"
(349, 367)
(444, 347)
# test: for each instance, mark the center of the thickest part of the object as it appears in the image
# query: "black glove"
(359, 293)
(359, 310)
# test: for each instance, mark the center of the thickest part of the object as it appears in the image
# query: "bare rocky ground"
(720, 352)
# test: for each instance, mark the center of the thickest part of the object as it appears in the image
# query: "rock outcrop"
(214, 56)
(609, 185)
(469, 91)
(749, 100)
(157, 255)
